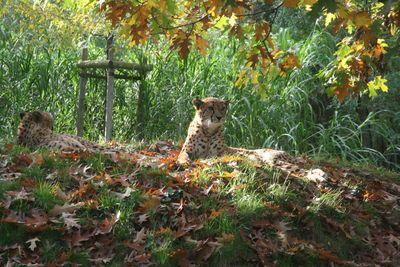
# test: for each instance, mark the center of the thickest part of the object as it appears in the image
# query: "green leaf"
(377, 84)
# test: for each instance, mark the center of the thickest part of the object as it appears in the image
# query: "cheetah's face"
(211, 111)
(40, 119)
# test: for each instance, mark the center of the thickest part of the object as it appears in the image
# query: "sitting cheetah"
(36, 130)
(205, 139)
(206, 133)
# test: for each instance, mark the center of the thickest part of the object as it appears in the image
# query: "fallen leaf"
(140, 235)
(38, 218)
(32, 243)
(67, 208)
(70, 221)
(143, 218)
(8, 146)
(76, 238)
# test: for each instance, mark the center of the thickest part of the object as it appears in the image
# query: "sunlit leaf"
(290, 3)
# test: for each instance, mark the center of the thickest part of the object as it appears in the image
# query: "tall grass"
(296, 116)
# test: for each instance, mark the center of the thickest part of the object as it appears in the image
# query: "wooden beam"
(82, 93)
(106, 64)
(104, 77)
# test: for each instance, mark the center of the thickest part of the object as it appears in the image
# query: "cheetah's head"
(211, 111)
(37, 118)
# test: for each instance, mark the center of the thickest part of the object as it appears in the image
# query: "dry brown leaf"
(70, 221)
(68, 208)
(140, 235)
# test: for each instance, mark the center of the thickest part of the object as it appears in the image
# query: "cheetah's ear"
(36, 116)
(21, 115)
(197, 103)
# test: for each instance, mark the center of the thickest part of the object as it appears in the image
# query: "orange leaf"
(342, 91)
(357, 65)
(227, 237)
(224, 175)
(290, 3)
(9, 146)
(227, 159)
(178, 252)
(274, 207)
(216, 213)
(151, 154)
(239, 187)
(163, 231)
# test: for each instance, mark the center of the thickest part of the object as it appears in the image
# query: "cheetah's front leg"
(183, 157)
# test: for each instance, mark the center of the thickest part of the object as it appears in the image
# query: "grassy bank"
(60, 208)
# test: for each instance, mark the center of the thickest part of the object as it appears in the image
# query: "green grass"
(45, 196)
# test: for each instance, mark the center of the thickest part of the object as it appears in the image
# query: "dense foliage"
(293, 112)
(364, 27)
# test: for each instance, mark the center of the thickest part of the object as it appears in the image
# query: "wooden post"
(82, 94)
(110, 90)
(141, 109)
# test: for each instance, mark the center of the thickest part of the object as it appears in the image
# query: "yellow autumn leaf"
(382, 43)
(377, 84)
(342, 12)
(329, 17)
(151, 3)
(358, 46)
(254, 77)
(221, 22)
(350, 27)
(232, 20)
(162, 5)
(239, 82)
(290, 3)
(309, 2)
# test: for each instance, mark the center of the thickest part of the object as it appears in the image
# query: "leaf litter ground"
(142, 209)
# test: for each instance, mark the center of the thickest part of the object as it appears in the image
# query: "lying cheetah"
(36, 130)
(205, 139)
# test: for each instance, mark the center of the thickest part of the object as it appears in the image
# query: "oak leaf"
(66, 208)
(308, 2)
(38, 218)
(290, 3)
(76, 238)
(201, 45)
(362, 19)
(32, 243)
(70, 221)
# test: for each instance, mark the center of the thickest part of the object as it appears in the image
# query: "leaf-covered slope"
(142, 209)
